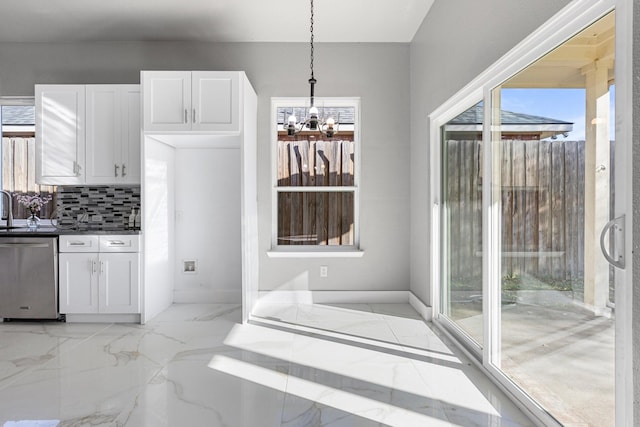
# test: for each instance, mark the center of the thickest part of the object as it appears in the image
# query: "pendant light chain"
(311, 30)
(314, 122)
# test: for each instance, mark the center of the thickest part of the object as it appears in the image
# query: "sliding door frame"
(569, 21)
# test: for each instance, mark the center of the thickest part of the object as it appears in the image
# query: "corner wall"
(635, 326)
(457, 41)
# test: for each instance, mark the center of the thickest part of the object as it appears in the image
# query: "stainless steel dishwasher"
(28, 277)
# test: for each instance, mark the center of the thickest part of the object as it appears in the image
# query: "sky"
(564, 104)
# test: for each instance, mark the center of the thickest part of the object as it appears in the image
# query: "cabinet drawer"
(79, 243)
(120, 243)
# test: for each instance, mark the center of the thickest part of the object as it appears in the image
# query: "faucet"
(9, 208)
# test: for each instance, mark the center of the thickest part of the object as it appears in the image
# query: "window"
(315, 194)
(17, 160)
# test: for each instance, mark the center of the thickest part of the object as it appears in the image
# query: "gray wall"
(448, 51)
(378, 73)
(636, 216)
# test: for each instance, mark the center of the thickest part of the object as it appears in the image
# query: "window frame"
(312, 251)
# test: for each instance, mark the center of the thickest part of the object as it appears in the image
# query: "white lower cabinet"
(99, 275)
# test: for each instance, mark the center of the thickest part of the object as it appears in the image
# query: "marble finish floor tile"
(342, 365)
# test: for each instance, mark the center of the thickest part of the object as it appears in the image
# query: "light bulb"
(313, 111)
(330, 122)
(291, 120)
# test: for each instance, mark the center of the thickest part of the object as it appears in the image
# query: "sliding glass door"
(461, 297)
(528, 189)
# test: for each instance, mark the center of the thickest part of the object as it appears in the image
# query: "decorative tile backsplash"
(114, 204)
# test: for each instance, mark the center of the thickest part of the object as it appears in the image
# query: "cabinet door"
(167, 100)
(113, 134)
(103, 135)
(78, 283)
(215, 99)
(119, 283)
(131, 131)
(60, 134)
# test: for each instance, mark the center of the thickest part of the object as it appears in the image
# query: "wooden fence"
(316, 217)
(542, 209)
(19, 174)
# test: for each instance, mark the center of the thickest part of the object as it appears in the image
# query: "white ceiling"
(210, 20)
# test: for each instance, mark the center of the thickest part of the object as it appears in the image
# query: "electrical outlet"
(83, 217)
(96, 218)
(324, 271)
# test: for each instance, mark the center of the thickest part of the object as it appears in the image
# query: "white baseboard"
(424, 310)
(347, 297)
(334, 297)
(194, 296)
(102, 318)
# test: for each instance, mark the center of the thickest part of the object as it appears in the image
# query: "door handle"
(615, 226)
(185, 116)
(123, 170)
(194, 116)
(115, 170)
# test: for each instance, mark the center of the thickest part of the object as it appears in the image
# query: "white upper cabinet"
(87, 134)
(201, 101)
(215, 98)
(113, 134)
(131, 133)
(60, 134)
(167, 100)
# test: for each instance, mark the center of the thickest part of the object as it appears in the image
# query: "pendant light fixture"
(314, 122)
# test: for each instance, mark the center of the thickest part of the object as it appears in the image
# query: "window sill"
(315, 253)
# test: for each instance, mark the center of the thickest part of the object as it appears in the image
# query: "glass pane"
(462, 221)
(315, 162)
(315, 218)
(18, 158)
(557, 325)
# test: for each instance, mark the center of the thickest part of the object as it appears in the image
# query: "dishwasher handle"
(24, 245)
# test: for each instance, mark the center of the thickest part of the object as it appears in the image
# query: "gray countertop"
(53, 231)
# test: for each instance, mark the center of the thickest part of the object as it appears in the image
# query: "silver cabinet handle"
(123, 170)
(93, 266)
(115, 170)
(615, 226)
(77, 244)
(185, 116)
(101, 267)
(194, 116)
(116, 243)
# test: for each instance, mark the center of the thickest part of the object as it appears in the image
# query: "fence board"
(544, 208)
(572, 225)
(454, 173)
(21, 167)
(557, 208)
(18, 174)
(334, 180)
(296, 199)
(347, 234)
(531, 209)
(7, 156)
(322, 199)
(519, 207)
(315, 217)
(466, 206)
(476, 241)
(507, 197)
